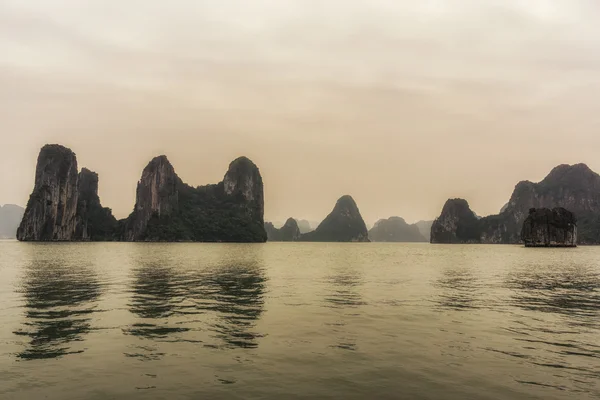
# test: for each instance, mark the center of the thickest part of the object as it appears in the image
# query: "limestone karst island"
(574, 188)
(64, 206)
(563, 210)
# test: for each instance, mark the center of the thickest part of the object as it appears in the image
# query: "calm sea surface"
(298, 321)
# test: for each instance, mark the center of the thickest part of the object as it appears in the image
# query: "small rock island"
(289, 232)
(550, 228)
(343, 224)
(395, 229)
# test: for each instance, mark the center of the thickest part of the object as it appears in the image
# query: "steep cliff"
(395, 229)
(51, 211)
(10, 218)
(94, 222)
(574, 187)
(289, 232)
(167, 209)
(456, 224)
(549, 228)
(64, 204)
(157, 196)
(343, 224)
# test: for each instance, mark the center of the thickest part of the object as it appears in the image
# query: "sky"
(401, 104)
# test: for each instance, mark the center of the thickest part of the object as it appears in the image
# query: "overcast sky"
(402, 104)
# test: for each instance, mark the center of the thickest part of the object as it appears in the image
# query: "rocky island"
(573, 187)
(343, 224)
(289, 232)
(550, 228)
(395, 229)
(64, 205)
(167, 209)
(456, 224)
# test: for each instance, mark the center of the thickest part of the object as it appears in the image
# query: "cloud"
(379, 87)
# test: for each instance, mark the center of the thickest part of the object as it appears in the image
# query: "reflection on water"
(237, 291)
(59, 302)
(220, 321)
(570, 291)
(343, 296)
(343, 290)
(169, 297)
(156, 291)
(459, 289)
(559, 343)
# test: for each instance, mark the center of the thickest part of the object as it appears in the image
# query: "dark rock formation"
(157, 196)
(64, 205)
(289, 232)
(574, 187)
(52, 207)
(456, 224)
(10, 218)
(94, 222)
(343, 224)
(425, 229)
(244, 182)
(395, 229)
(167, 209)
(550, 228)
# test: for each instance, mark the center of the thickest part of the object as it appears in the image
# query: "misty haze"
(299, 199)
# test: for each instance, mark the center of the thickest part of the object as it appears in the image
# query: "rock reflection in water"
(59, 302)
(237, 292)
(226, 295)
(344, 298)
(156, 291)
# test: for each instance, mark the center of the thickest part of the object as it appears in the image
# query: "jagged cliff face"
(289, 232)
(395, 229)
(64, 204)
(243, 179)
(157, 195)
(550, 228)
(94, 222)
(51, 211)
(343, 224)
(573, 187)
(456, 224)
(169, 210)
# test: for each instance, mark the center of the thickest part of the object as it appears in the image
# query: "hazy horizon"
(400, 104)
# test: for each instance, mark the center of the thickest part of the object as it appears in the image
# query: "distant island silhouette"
(64, 206)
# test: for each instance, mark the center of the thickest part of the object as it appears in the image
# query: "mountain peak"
(395, 229)
(343, 224)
